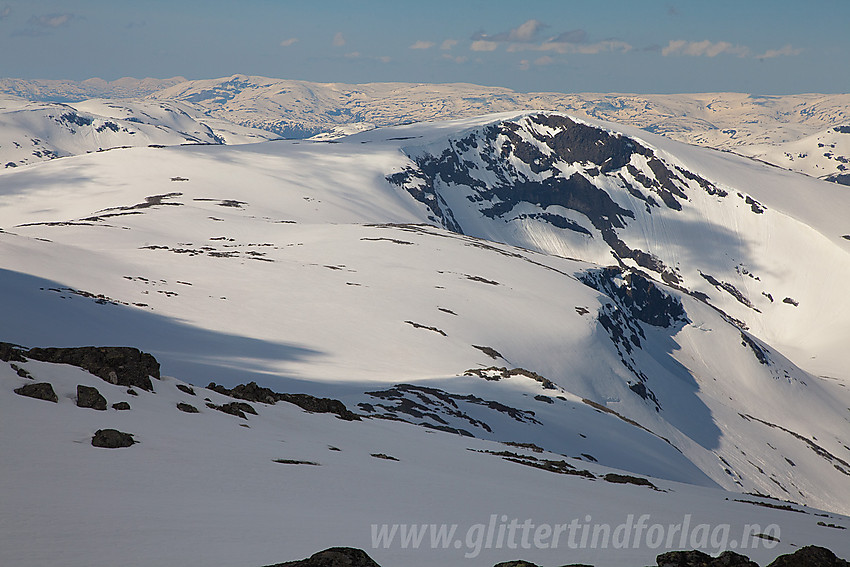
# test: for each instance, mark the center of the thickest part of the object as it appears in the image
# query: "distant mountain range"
(298, 108)
(51, 90)
(301, 109)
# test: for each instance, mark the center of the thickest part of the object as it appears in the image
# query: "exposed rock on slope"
(254, 393)
(39, 391)
(126, 366)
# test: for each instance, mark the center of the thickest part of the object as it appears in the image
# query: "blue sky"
(641, 46)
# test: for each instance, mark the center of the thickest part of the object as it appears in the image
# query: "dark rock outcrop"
(126, 366)
(188, 408)
(639, 295)
(253, 393)
(810, 556)
(112, 439)
(121, 406)
(22, 372)
(88, 397)
(184, 388)
(39, 391)
(11, 353)
(696, 558)
(627, 479)
(334, 557)
(239, 409)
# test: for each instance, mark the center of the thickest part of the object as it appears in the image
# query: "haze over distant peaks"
(73, 91)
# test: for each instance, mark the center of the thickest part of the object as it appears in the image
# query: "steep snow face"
(299, 265)
(33, 132)
(735, 235)
(825, 155)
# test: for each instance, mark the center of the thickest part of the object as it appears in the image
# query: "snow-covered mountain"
(302, 109)
(32, 132)
(630, 303)
(825, 155)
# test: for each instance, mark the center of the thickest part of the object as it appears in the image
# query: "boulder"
(89, 397)
(112, 439)
(39, 391)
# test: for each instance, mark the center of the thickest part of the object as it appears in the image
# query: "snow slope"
(825, 155)
(420, 275)
(205, 489)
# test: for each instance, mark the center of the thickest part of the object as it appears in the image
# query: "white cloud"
(459, 59)
(522, 38)
(482, 45)
(572, 36)
(422, 45)
(526, 31)
(541, 61)
(339, 40)
(703, 48)
(51, 20)
(385, 59)
(783, 52)
(353, 55)
(448, 44)
(288, 42)
(567, 47)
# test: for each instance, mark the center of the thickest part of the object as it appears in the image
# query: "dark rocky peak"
(576, 142)
(537, 168)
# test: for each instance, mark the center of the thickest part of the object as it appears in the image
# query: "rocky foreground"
(810, 556)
